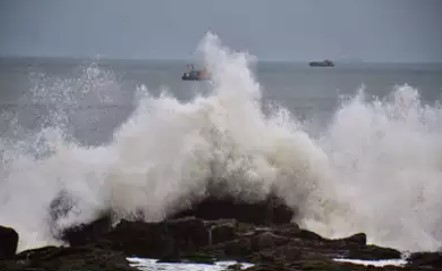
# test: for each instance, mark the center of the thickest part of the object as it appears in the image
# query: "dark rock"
(425, 259)
(259, 232)
(223, 232)
(308, 235)
(266, 256)
(267, 240)
(64, 259)
(87, 233)
(162, 240)
(287, 230)
(168, 239)
(77, 235)
(372, 252)
(356, 240)
(263, 241)
(8, 242)
(270, 211)
(189, 233)
(291, 253)
(359, 239)
(142, 239)
(281, 213)
(237, 249)
(44, 253)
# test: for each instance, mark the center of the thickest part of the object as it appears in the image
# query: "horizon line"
(104, 58)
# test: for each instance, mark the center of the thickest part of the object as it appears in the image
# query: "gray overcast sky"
(371, 30)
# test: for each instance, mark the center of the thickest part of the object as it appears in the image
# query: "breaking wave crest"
(377, 167)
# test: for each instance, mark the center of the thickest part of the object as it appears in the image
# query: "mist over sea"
(353, 148)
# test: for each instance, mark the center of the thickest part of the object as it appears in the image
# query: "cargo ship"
(325, 63)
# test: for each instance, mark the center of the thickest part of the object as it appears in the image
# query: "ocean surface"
(98, 95)
(354, 148)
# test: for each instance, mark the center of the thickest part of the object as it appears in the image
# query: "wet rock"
(238, 249)
(270, 211)
(425, 259)
(287, 230)
(8, 242)
(64, 259)
(372, 252)
(61, 206)
(308, 235)
(87, 233)
(266, 256)
(189, 233)
(359, 239)
(262, 234)
(223, 232)
(168, 239)
(263, 241)
(290, 253)
(356, 240)
(267, 240)
(141, 239)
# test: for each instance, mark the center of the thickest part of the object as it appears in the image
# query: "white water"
(153, 265)
(379, 263)
(377, 168)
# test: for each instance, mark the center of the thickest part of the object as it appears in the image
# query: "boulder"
(8, 242)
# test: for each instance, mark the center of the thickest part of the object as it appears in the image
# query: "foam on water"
(152, 265)
(376, 168)
(379, 263)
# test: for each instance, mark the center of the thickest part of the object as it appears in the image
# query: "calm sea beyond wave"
(353, 148)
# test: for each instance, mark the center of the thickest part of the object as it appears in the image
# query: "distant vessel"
(325, 63)
(195, 75)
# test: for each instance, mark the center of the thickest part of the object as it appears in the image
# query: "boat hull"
(321, 64)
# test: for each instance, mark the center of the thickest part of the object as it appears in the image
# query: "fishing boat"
(194, 74)
(324, 63)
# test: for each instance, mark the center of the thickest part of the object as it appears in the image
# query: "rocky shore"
(215, 229)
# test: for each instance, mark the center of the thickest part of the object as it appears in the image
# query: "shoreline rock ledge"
(212, 230)
(8, 243)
